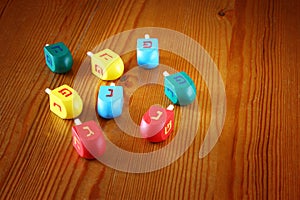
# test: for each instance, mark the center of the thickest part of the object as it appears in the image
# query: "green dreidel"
(179, 88)
(58, 57)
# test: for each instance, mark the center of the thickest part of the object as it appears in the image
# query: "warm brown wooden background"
(255, 44)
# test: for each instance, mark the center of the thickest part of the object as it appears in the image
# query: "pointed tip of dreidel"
(47, 45)
(77, 121)
(47, 90)
(90, 54)
(170, 107)
(147, 36)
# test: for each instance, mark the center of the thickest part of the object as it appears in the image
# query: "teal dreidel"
(58, 57)
(179, 88)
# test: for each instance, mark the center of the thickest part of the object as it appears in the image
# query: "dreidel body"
(88, 139)
(65, 102)
(110, 101)
(179, 88)
(106, 64)
(147, 52)
(58, 57)
(157, 123)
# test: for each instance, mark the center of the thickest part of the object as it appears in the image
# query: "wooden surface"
(255, 46)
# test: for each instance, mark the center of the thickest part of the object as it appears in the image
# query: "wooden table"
(254, 45)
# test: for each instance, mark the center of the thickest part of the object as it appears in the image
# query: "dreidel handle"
(90, 54)
(77, 121)
(48, 91)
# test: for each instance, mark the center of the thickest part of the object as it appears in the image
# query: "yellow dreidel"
(106, 64)
(65, 102)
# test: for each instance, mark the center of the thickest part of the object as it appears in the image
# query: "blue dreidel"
(179, 88)
(110, 101)
(58, 57)
(147, 52)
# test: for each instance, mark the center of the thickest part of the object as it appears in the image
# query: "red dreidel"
(88, 139)
(157, 123)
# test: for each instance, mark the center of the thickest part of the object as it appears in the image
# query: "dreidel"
(110, 101)
(88, 139)
(147, 52)
(65, 102)
(106, 64)
(58, 57)
(157, 123)
(179, 88)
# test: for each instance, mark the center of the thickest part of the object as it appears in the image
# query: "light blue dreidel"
(58, 57)
(147, 52)
(110, 101)
(179, 88)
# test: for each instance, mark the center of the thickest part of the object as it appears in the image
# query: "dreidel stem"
(165, 73)
(90, 54)
(147, 36)
(170, 107)
(77, 121)
(48, 91)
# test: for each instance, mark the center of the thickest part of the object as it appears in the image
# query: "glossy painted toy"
(65, 102)
(88, 139)
(58, 57)
(157, 123)
(147, 52)
(110, 101)
(106, 64)
(179, 88)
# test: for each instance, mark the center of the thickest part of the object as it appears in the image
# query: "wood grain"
(255, 45)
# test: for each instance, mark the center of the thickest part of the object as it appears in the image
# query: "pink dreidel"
(88, 139)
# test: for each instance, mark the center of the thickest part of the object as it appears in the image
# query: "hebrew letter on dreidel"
(106, 56)
(168, 127)
(147, 44)
(179, 79)
(49, 61)
(66, 92)
(90, 131)
(55, 104)
(159, 113)
(98, 69)
(111, 93)
(56, 47)
(168, 89)
(76, 142)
